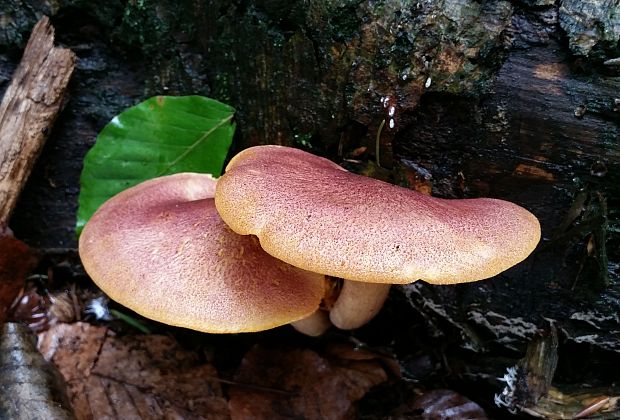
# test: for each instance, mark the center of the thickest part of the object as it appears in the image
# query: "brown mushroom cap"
(313, 214)
(161, 249)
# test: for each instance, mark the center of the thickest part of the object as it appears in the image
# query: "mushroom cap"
(161, 249)
(313, 214)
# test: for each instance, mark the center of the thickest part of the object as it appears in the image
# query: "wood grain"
(28, 110)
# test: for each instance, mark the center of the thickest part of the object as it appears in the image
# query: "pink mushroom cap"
(161, 249)
(313, 214)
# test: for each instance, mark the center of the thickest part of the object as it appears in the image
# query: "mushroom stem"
(358, 303)
(313, 325)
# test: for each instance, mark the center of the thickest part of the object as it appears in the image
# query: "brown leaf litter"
(16, 261)
(301, 383)
(132, 377)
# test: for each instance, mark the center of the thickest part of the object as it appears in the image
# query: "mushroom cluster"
(251, 251)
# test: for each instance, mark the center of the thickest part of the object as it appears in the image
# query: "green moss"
(16, 22)
(221, 87)
(303, 140)
(144, 29)
(344, 21)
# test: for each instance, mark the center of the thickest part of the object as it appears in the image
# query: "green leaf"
(160, 136)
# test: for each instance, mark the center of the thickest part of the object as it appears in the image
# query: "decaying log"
(28, 110)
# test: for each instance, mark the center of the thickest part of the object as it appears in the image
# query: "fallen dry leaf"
(300, 383)
(16, 261)
(349, 351)
(30, 387)
(133, 377)
(440, 404)
(39, 309)
(579, 402)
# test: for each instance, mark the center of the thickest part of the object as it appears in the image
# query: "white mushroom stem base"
(358, 303)
(313, 325)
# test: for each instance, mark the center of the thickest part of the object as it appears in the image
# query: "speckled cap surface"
(161, 249)
(311, 213)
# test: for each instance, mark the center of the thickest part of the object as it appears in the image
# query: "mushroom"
(161, 249)
(315, 215)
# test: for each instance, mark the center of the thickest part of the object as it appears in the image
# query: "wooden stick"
(28, 110)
